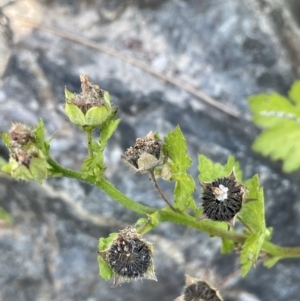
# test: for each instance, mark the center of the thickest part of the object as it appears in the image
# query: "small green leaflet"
(253, 215)
(104, 269)
(280, 117)
(210, 171)
(227, 246)
(105, 242)
(176, 149)
(271, 261)
(39, 134)
(107, 129)
(294, 93)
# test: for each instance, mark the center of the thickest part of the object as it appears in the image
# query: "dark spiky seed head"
(200, 291)
(129, 258)
(223, 198)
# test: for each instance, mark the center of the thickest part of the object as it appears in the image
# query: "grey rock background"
(229, 50)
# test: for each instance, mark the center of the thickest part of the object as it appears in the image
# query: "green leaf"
(6, 217)
(104, 269)
(281, 142)
(232, 163)
(6, 168)
(281, 119)
(69, 95)
(5, 139)
(75, 114)
(250, 252)
(107, 129)
(176, 149)
(106, 97)
(227, 246)
(39, 134)
(183, 192)
(253, 215)
(271, 261)
(96, 116)
(294, 93)
(38, 168)
(210, 171)
(104, 244)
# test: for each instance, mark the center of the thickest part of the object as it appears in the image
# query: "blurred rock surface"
(229, 50)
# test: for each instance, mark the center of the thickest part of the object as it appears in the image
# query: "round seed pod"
(130, 257)
(145, 154)
(223, 198)
(198, 290)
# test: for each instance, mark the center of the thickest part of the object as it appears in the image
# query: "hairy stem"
(159, 191)
(105, 186)
(89, 135)
(210, 227)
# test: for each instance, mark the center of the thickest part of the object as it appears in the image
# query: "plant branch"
(159, 191)
(105, 186)
(89, 135)
(210, 227)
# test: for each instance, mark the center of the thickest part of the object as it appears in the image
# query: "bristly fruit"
(27, 161)
(198, 290)
(90, 108)
(223, 198)
(145, 154)
(130, 257)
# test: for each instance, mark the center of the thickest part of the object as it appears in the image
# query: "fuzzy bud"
(26, 161)
(145, 154)
(90, 108)
(199, 290)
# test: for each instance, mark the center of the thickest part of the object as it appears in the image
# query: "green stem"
(105, 186)
(210, 227)
(89, 135)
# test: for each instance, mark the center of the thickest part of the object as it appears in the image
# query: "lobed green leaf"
(253, 215)
(294, 93)
(107, 129)
(210, 171)
(176, 149)
(280, 117)
(281, 142)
